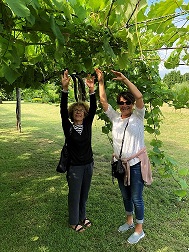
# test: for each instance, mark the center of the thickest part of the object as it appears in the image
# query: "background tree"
(179, 89)
(172, 78)
(186, 77)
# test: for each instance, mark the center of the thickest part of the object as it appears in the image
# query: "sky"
(162, 70)
(165, 53)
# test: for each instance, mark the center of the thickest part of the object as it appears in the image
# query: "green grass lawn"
(34, 214)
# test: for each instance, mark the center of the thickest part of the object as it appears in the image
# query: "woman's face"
(126, 107)
(78, 114)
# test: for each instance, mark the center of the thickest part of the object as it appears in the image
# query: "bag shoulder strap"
(71, 128)
(123, 140)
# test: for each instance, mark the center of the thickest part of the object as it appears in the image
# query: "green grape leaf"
(10, 74)
(56, 30)
(181, 193)
(19, 8)
(183, 172)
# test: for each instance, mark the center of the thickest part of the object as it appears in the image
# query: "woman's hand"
(65, 79)
(100, 75)
(133, 89)
(119, 76)
(90, 83)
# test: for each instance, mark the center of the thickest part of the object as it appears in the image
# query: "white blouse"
(134, 135)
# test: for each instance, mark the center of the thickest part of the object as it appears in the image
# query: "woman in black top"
(78, 136)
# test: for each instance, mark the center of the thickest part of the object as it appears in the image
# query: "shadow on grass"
(34, 214)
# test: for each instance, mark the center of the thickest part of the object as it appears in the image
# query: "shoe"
(125, 227)
(78, 228)
(86, 222)
(135, 237)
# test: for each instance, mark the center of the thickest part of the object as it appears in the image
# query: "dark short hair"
(127, 95)
(76, 104)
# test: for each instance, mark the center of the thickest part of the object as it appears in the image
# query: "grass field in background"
(33, 210)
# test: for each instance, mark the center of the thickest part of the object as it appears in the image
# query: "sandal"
(86, 222)
(77, 228)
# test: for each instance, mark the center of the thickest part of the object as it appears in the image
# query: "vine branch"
(154, 19)
(109, 13)
(136, 6)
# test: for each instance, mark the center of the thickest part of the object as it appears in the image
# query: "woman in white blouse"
(134, 153)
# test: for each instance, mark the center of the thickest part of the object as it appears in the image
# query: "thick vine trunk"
(18, 109)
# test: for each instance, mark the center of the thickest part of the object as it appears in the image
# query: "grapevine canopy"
(40, 37)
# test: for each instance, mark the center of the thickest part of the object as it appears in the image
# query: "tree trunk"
(18, 109)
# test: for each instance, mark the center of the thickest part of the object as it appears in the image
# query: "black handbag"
(118, 169)
(64, 162)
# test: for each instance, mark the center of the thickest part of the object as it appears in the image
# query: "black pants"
(79, 181)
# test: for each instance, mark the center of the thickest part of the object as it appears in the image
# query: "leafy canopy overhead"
(40, 37)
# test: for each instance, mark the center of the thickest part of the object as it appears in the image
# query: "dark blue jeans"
(132, 195)
(79, 181)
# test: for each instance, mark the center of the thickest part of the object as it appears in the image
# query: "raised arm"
(90, 83)
(134, 90)
(102, 92)
(93, 106)
(65, 79)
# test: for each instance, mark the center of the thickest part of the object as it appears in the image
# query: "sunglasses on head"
(124, 102)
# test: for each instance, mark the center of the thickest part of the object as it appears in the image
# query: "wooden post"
(18, 109)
